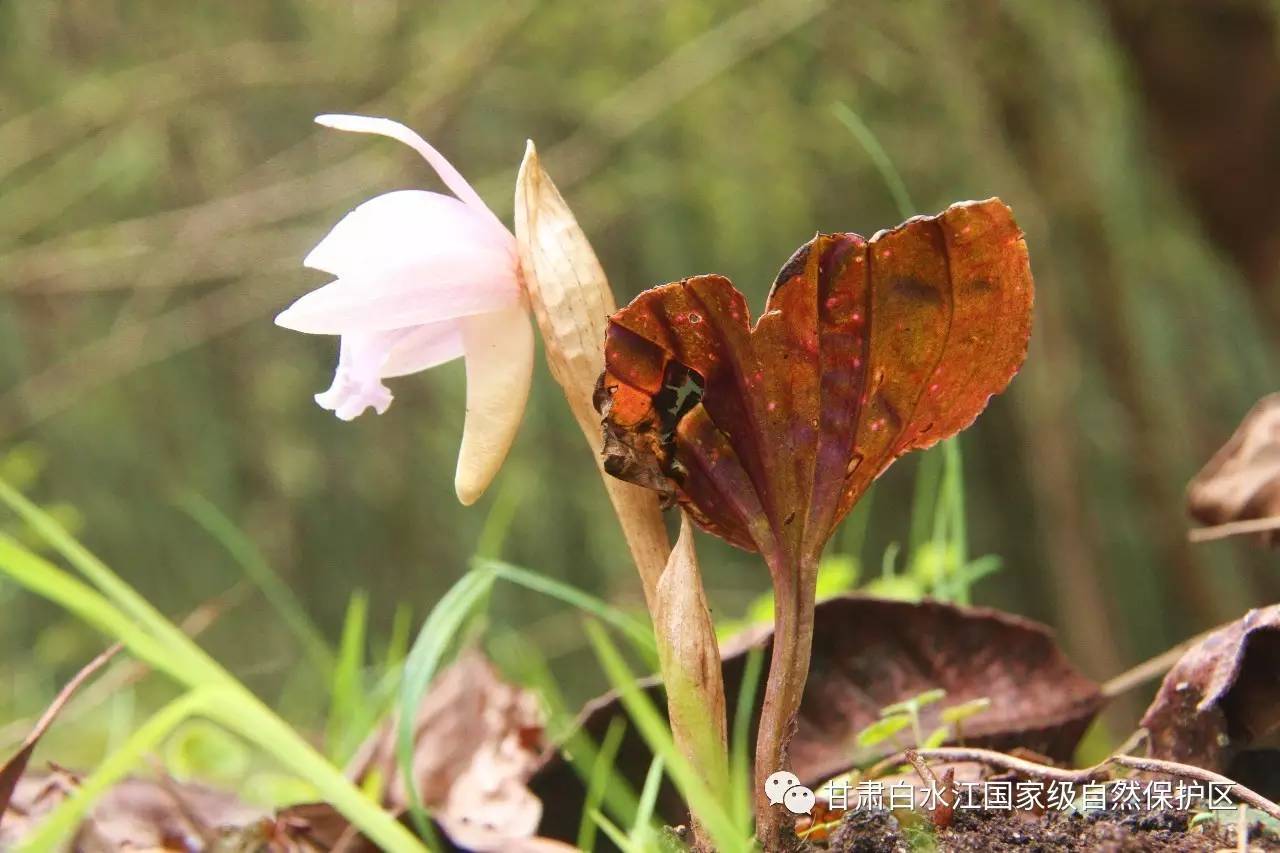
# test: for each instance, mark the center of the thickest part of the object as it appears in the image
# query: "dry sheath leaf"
(572, 301)
(691, 664)
(1241, 483)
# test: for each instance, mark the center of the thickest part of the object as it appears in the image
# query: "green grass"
(116, 610)
(714, 809)
(251, 561)
(601, 774)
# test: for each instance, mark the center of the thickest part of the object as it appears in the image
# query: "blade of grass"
(642, 827)
(501, 514)
(929, 490)
(853, 533)
(347, 695)
(615, 834)
(924, 501)
(241, 712)
(381, 697)
(653, 728)
(740, 740)
(434, 640)
(38, 575)
(601, 771)
(117, 591)
(879, 158)
(259, 572)
(398, 640)
(953, 508)
(635, 630)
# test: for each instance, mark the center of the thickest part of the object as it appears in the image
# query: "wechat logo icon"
(783, 788)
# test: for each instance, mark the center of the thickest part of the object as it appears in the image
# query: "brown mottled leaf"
(869, 653)
(866, 349)
(768, 434)
(1241, 483)
(1221, 700)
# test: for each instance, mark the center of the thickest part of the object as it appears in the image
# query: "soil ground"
(1002, 831)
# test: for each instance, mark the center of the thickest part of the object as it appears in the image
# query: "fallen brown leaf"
(141, 814)
(1221, 702)
(869, 653)
(33, 797)
(1238, 490)
(477, 740)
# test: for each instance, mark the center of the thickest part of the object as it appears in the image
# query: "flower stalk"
(572, 301)
(795, 597)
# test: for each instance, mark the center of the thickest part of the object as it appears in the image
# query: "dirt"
(1001, 831)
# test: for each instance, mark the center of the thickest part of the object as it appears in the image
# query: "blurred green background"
(161, 179)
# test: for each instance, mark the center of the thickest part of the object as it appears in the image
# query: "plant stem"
(794, 590)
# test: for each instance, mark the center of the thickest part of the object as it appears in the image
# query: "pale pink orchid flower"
(421, 279)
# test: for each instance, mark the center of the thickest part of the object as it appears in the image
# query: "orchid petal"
(406, 228)
(396, 299)
(499, 353)
(424, 347)
(386, 127)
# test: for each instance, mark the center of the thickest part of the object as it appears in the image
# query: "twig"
(131, 671)
(941, 814)
(1098, 771)
(11, 770)
(1174, 768)
(992, 758)
(923, 770)
(1234, 528)
(1151, 669)
(64, 695)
